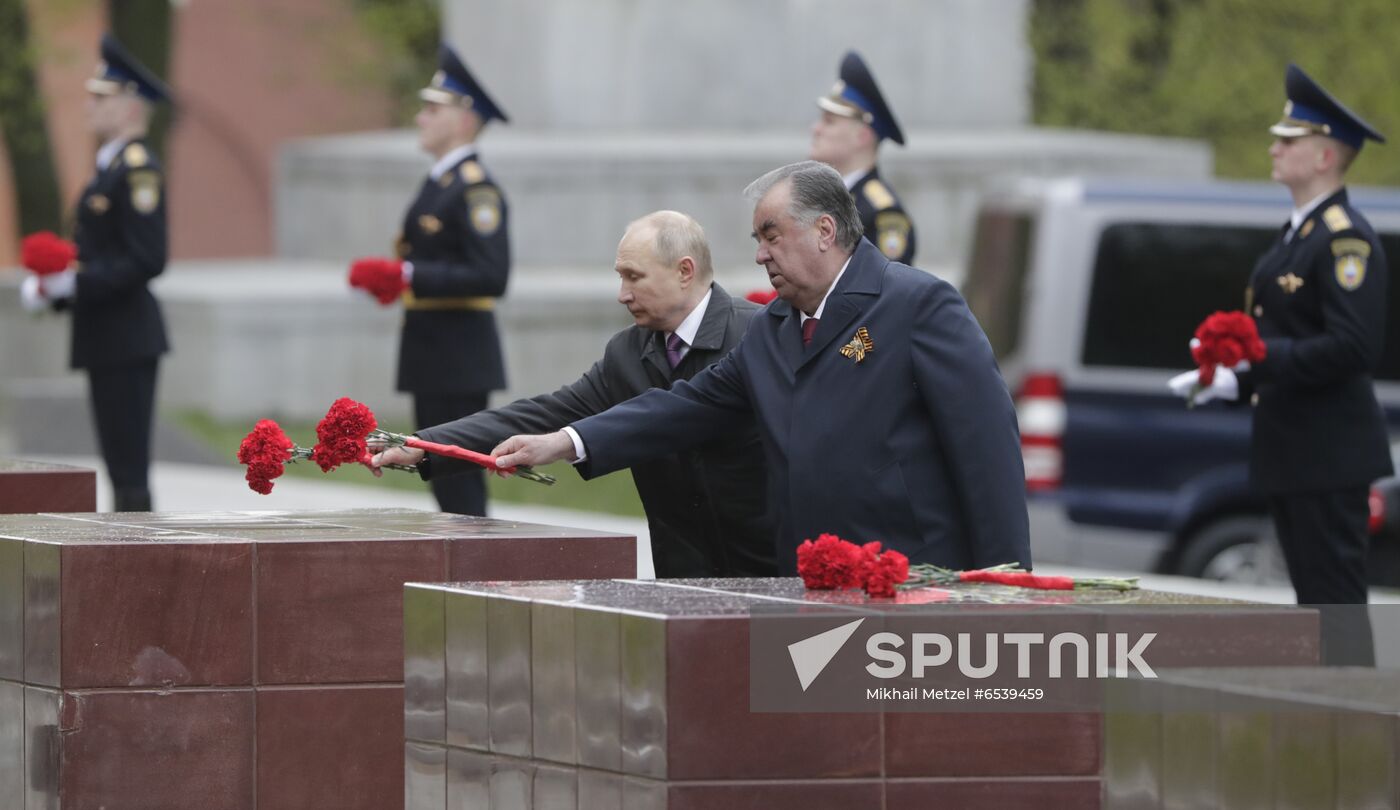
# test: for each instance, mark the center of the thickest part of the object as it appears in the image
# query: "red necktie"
(809, 328)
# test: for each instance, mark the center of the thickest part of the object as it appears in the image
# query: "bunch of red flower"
(266, 451)
(45, 252)
(762, 297)
(831, 563)
(1225, 338)
(341, 434)
(382, 278)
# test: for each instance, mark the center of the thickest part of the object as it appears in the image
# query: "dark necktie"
(809, 328)
(675, 348)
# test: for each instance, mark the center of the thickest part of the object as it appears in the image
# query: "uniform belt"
(480, 303)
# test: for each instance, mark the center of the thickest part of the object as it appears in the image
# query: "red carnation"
(45, 252)
(761, 297)
(382, 278)
(265, 450)
(830, 563)
(340, 436)
(885, 572)
(1226, 338)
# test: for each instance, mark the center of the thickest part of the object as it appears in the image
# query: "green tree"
(410, 31)
(1213, 70)
(144, 27)
(23, 125)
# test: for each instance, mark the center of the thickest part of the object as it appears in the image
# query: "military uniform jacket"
(885, 222)
(1319, 301)
(120, 233)
(706, 507)
(455, 234)
(893, 424)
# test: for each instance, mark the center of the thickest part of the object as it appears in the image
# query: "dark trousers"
(1323, 535)
(463, 494)
(123, 405)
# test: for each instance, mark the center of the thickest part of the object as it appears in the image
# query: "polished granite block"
(155, 749)
(966, 744)
(33, 486)
(329, 747)
(12, 735)
(332, 612)
(993, 794)
(11, 609)
(1305, 737)
(641, 690)
(303, 612)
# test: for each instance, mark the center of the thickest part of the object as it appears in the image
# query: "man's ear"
(686, 268)
(826, 231)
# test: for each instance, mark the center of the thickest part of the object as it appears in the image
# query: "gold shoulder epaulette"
(878, 195)
(472, 172)
(1336, 218)
(135, 156)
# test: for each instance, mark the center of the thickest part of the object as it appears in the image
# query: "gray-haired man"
(882, 413)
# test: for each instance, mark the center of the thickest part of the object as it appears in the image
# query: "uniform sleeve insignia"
(135, 156)
(1336, 218)
(484, 208)
(430, 224)
(1306, 229)
(892, 233)
(878, 195)
(1351, 261)
(98, 203)
(472, 172)
(859, 346)
(145, 191)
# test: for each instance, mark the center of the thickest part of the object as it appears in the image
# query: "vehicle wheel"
(1235, 549)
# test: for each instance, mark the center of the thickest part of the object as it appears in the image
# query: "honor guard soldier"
(120, 237)
(455, 248)
(854, 120)
(1318, 296)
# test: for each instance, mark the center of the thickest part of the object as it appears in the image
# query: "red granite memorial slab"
(640, 694)
(226, 659)
(33, 486)
(330, 747)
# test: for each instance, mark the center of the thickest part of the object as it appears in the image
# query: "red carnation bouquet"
(1224, 339)
(761, 297)
(46, 252)
(382, 278)
(831, 563)
(344, 436)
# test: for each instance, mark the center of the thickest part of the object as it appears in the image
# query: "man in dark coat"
(882, 413)
(455, 248)
(706, 507)
(118, 330)
(1318, 296)
(855, 119)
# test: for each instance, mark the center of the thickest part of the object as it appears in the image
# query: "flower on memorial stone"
(884, 571)
(265, 450)
(341, 435)
(45, 252)
(830, 563)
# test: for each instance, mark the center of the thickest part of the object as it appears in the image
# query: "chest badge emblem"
(1290, 283)
(860, 345)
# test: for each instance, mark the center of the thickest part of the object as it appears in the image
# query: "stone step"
(572, 195)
